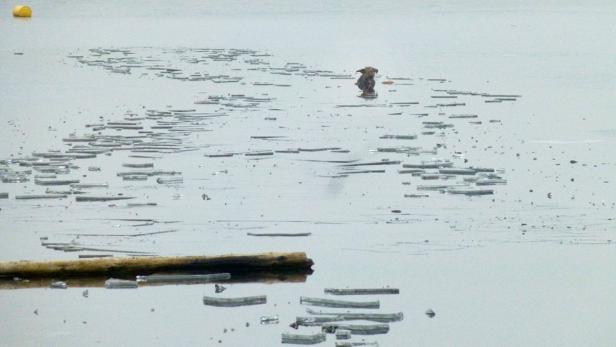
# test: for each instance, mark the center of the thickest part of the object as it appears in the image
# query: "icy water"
(251, 114)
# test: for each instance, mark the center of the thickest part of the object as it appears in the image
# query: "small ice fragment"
(343, 334)
(114, 283)
(58, 285)
(269, 319)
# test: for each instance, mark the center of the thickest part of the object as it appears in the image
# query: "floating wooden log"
(234, 302)
(361, 291)
(338, 303)
(283, 262)
(298, 339)
(4, 195)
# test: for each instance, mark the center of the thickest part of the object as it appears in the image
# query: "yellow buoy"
(22, 11)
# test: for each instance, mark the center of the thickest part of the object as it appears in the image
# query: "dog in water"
(366, 83)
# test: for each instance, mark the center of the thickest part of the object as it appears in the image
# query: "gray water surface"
(530, 264)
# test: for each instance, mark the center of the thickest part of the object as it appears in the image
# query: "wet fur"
(366, 82)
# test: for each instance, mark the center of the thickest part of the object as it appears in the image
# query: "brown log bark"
(232, 263)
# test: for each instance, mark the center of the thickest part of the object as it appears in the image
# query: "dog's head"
(368, 71)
